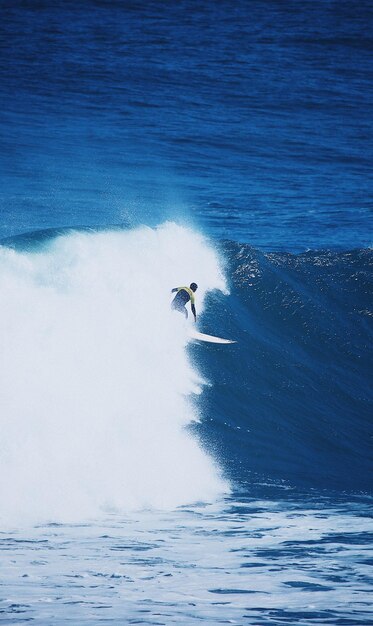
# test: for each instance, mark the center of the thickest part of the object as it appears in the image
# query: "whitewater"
(97, 386)
(146, 479)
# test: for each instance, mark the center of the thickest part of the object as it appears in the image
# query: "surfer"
(183, 295)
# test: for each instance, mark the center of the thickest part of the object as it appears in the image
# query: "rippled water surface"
(251, 119)
(251, 562)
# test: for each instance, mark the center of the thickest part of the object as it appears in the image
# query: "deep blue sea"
(146, 478)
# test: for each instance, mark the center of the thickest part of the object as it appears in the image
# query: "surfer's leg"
(180, 308)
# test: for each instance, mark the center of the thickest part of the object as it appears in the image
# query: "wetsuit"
(184, 294)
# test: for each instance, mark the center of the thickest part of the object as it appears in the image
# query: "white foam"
(95, 377)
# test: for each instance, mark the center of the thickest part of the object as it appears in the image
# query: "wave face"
(96, 381)
(292, 401)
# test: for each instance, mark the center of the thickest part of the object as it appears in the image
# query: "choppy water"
(144, 478)
(238, 562)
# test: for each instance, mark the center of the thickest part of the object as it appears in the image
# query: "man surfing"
(183, 295)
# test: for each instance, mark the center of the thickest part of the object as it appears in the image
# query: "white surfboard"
(209, 338)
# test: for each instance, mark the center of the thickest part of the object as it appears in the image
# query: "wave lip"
(96, 378)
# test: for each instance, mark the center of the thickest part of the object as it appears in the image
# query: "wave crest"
(96, 378)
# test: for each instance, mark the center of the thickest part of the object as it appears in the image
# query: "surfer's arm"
(194, 312)
(175, 289)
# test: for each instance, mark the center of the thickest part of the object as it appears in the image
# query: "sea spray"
(95, 378)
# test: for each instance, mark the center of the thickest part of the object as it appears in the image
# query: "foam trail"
(95, 377)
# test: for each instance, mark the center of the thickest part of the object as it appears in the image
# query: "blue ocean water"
(145, 478)
(251, 119)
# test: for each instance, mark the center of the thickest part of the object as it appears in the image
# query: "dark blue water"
(249, 122)
(299, 405)
(251, 119)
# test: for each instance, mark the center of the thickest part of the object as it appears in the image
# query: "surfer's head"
(193, 286)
